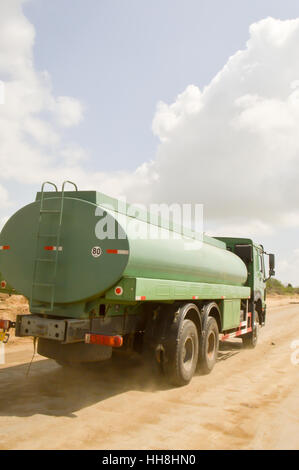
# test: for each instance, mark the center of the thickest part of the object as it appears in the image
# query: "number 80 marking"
(96, 251)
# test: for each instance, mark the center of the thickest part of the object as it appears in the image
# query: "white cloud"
(234, 146)
(69, 111)
(167, 118)
(4, 200)
(287, 268)
(31, 118)
(243, 228)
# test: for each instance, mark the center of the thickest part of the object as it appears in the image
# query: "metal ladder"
(44, 212)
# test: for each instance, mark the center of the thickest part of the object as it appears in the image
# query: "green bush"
(274, 286)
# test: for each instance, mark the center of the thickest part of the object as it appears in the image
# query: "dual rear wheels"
(192, 353)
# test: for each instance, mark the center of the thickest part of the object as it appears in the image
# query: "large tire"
(210, 346)
(250, 339)
(181, 369)
(149, 349)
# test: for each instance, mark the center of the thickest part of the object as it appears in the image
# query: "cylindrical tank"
(83, 266)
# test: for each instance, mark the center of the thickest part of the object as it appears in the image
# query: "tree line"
(274, 286)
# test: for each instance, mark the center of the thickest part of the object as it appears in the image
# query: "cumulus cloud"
(287, 267)
(234, 145)
(68, 111)
(242, 227)
(31, 145)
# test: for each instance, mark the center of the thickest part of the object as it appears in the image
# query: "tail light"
(5, 324)
(113, 341)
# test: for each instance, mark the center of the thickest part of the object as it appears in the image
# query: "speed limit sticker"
(96, 251)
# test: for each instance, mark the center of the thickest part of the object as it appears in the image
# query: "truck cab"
(253, 255)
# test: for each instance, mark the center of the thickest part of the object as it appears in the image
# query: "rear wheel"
(250, 339)
(210, 346)
(181, 370)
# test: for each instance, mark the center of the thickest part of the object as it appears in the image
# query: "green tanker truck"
(5, 288)
(94, 287)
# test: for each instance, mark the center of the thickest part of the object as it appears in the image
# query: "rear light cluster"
(114, 341)
(118, 290)
(5, 324)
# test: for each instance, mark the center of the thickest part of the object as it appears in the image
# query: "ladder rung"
(37, 260)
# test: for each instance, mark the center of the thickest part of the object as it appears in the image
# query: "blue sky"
(120, 57)
(170, 101)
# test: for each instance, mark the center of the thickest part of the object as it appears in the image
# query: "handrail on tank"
(48, 182)
(62, 199)
(70, 182)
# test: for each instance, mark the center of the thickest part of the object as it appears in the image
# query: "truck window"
(261, 263)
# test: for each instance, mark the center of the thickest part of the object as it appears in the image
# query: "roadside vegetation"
(274, 286)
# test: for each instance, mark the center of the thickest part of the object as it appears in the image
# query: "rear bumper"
(62, 340)
(73, 353)
(63, 331)
(71, 330)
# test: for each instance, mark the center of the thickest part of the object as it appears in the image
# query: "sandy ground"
(249, 401)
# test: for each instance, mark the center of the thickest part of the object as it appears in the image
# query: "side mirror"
(271, 265)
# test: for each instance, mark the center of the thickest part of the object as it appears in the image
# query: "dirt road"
(249, 401)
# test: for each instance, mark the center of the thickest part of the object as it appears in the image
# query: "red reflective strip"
(4, 247)
(140, 297)
(53, 248)
(235, 334)
(117, 252)
(113, 341)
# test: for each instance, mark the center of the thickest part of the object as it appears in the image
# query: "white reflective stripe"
(122, 252)
(235, 333)
(55, 248)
